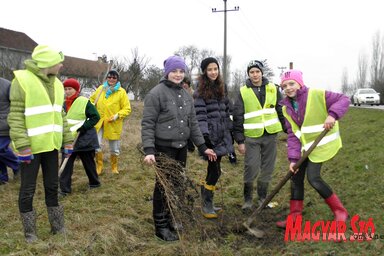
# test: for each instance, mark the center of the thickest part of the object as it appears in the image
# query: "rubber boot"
(174, 225)
(162, 229)
(114, 161)
(337, 208)
(296, 209)
(207, 202)
(56, 218)
(248, 191)
(99, 162)
(262, 188)
(28, 220)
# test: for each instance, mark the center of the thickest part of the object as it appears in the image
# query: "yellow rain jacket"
(116, 103)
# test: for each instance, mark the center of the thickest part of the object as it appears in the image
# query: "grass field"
(116, 219)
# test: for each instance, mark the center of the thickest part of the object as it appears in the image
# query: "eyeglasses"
(112, 77)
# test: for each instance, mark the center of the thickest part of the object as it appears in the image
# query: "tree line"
(370, 69)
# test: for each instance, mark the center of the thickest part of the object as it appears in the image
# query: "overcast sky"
(321, 38)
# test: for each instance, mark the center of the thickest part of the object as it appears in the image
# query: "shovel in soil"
(260, 233)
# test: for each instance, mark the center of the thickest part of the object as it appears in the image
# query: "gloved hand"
(68, 150)
(113, 118)
(25, 156)
(81, 130)
(208, 142)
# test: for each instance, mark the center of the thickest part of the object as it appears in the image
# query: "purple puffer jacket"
(337, 105)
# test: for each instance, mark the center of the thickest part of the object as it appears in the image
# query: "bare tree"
(191, 56)
(346, 88)
(131, 70)
(362, 71)
(10, 61)
(377, 63)
(152, 76)
(238, 80)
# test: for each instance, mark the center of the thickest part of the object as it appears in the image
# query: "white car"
(366, 96)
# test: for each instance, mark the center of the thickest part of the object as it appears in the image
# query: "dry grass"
(116, 219)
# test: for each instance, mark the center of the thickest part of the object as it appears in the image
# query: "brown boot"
(99, 162)
(114, 161)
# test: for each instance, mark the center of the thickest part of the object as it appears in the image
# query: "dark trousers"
(314, 178)
(213, 172)
(88, 160)
(159, 198)
(49, 162)
(7, 158)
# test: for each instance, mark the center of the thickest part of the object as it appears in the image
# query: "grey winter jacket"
(169, 118)
(4, 106)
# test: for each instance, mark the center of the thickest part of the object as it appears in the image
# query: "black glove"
(208, 142)
(81, 130)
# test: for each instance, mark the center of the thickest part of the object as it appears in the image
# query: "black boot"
(29, 224)
(248, 191)
(173, 224)
(56, 218)
(262, 188)
(162, 227)
(207, 207)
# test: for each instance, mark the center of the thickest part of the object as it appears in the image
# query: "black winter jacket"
(215, 123)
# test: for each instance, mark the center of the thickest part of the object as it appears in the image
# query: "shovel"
(260, 233)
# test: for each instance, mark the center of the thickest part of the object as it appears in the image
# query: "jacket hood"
(31, 65)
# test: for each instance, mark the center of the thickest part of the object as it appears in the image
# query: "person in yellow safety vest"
(257, 119)
(113, 106)
(39, 129)
(308, 112)
(82, 116)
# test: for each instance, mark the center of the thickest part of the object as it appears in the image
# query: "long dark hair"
(209, 89)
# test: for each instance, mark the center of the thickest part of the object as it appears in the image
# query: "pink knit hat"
(292, 74)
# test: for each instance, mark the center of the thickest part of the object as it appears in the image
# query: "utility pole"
(225, 36)
(282, 70)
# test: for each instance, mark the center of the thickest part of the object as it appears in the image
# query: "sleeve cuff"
(202, 148)
(149, 151)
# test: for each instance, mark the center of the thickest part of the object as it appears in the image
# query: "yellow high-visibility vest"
(258, 118)
(43, 119)
(315, 115)
(76, 114)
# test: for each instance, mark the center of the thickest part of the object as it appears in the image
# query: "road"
(369, 106)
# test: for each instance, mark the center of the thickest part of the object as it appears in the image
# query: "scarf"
(69, 101)
(109, 90)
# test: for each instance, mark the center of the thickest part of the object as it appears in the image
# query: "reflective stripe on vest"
(76, 114)
(313, 124)
(257, 118)
(43, 119)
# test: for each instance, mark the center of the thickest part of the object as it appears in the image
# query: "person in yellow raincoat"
(113, 106)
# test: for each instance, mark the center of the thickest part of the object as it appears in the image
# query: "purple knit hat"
(292, 74)
(173, 63)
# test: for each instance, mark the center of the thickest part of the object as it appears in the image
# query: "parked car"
(366, 96)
